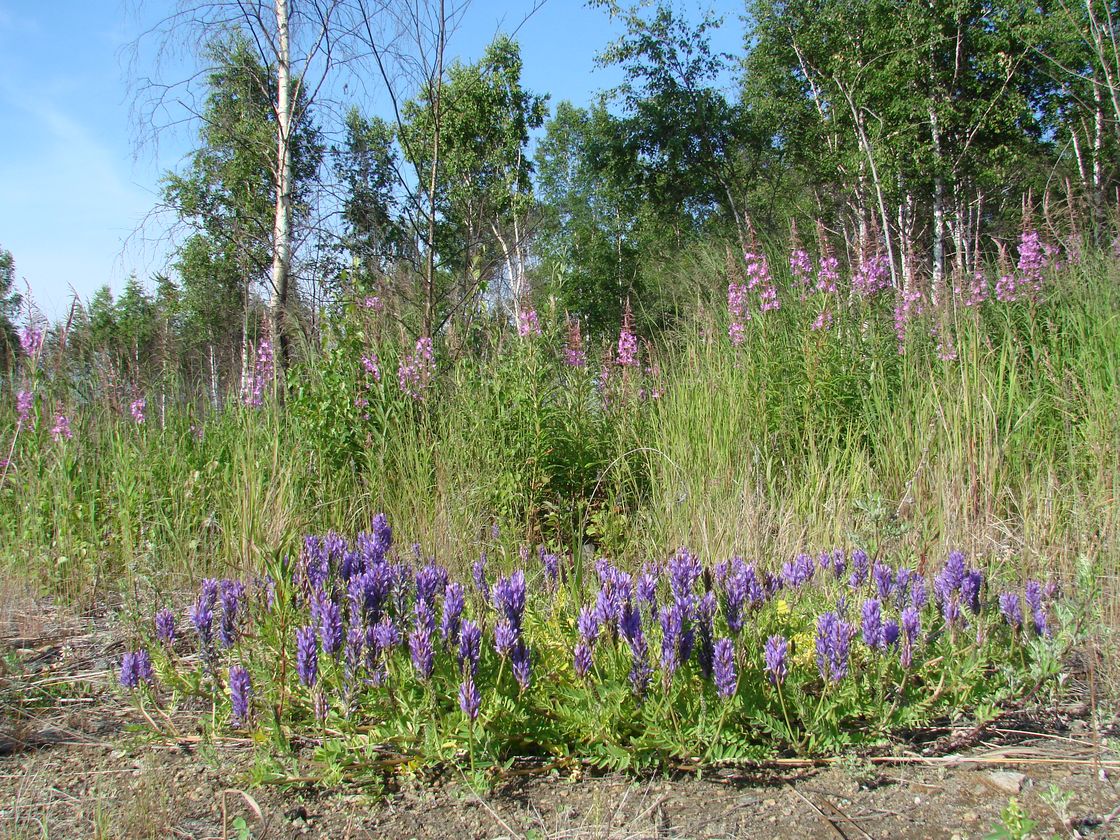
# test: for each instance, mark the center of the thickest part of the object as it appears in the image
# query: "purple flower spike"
(505, 637)
(330, 627)
(890, 633)
(951, 610)
(630, 624)
(551, 564)
(454, 599)
(1033, 597)
(1010, 610)
(954, 571)
(240, 692)
(919, 593)
(420, 649)
(583, 660)
(882, 577)
(307, 656)
(202, 619)
(382, 533)
(684, 571)
(588, 625)
(232, 597)
(797, 572)
(872, 624)
(911, 628)
(136, 668)
(970, 590)
(859, 568)
(522, 664)
(430, 580)
(165, 627)
(834, 636)
(355, 644)
(777, 649)
(509, 598)
(470, 645)
(478, 572)
(128, 678)
(470, 701)
(671, 632)
(647, 586)
(724, 668)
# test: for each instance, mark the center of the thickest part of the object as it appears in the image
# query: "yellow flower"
(782, 606)
(803, 649)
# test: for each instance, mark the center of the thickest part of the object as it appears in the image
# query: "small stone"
(1006, 781)
(970, 817)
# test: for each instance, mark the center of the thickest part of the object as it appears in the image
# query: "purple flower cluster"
(31, 341)
(240, 695)
(574, 354)
(627, 341)
(260, 377)
(25, 402)
(136, 669)
(775, 656)
(417, 369)
(359, 609)
(834, 636)
(527, 323)
(61, 430)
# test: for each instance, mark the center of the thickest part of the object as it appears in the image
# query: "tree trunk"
(282, 225)
(937, 290)
(436, 95)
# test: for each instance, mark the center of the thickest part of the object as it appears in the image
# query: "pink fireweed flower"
(527, 323)
(737, 309)
(737, 333)
(801, 267)
(417, 369)
(574, 355)
(1007, 289)
(1034, 257)
(370, 363)
(31, 340)
(823, 321)
(372, 302)
(25, 401)
(768, 299)
(977, 290)
(61, 428)
(828, 270)
(946, 349)
(627, 342)
(261, 375)
(137, 409)
(828, 273)
(906, 309)
(800, 264)
(872, 275)
(759, 279)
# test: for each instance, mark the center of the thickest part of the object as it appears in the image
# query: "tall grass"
(797, 438)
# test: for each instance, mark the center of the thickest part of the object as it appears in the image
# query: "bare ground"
(74, 763)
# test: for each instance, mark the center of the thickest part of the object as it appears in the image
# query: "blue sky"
(73, 191)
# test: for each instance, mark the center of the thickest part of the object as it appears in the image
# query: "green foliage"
(375, 714)
(226, 196)
(10, 301)
(1014, 824)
